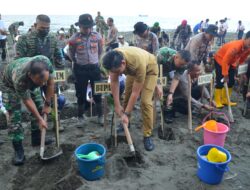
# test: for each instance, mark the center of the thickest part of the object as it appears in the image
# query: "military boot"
(19, 157)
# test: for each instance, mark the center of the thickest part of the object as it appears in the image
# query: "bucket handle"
(101, 162)
(217, 113)
(226, 169)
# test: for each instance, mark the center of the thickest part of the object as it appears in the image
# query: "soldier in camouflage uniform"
(174, 64)
(21, 81)
(145, 39)
(101, 26)
(13, 29)
(41, 42)
(183, 34)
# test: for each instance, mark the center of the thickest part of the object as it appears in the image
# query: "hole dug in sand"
(167, 134)
(122, 148)
(56, 174)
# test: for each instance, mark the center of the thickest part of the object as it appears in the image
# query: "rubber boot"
(36, 138)
(217, 97)
(19, 157)
(224, 97)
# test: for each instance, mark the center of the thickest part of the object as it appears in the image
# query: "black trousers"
(219, 76)
(3, 47)
(84, 73)
(181, 104)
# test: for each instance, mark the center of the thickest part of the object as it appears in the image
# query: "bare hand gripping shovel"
(55, 152)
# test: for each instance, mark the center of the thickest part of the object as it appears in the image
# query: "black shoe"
(36, 138)
(148, 143)
(1, 142)
(19, 157)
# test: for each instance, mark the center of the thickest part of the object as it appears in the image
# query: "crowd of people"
(38, 53)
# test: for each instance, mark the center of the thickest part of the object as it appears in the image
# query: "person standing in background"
(101, 25)
(197, 28)
(112, 41)
(240, 30)
(85, 49)
(204, 25)
(145, 39)
(13, 29)
(183, 34)
(225, 26)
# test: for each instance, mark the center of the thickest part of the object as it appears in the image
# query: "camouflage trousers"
(181, 43)
(13, 105)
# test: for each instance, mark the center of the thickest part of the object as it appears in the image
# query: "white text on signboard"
(205, 79)
(242, 69)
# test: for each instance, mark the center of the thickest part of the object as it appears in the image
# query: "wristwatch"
(47, 103)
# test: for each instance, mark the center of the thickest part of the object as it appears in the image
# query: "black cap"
(212, 29)
(85, 20)
(140, 28)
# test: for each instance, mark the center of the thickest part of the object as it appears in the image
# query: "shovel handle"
(229, 106)
(56, 120)
(128, 137)
(43, 133)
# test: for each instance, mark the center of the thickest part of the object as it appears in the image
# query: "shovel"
(230, 114)
(129, 139)
(58, 151)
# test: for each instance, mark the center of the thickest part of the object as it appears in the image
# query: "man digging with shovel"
(227, 58)
(142, 73)
(21, 80)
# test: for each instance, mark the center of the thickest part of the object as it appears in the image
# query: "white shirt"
(123, 45)
(225, 25)
(204, 25)
(2, 27)
(241, 28)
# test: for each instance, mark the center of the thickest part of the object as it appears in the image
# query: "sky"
(163, 8)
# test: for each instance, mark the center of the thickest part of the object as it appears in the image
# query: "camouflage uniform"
(150, 44)
(101, 26)
(16, 86)
(165, 57)
(31, 44)
(13, 28)
(184, 33)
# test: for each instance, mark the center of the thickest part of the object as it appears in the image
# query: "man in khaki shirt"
(142, 73)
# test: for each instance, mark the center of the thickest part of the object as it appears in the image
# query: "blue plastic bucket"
(210, 172)
(91, 169)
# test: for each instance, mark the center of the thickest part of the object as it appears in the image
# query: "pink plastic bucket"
(217, 138)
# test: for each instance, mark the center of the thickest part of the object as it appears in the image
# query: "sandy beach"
(171, 166)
